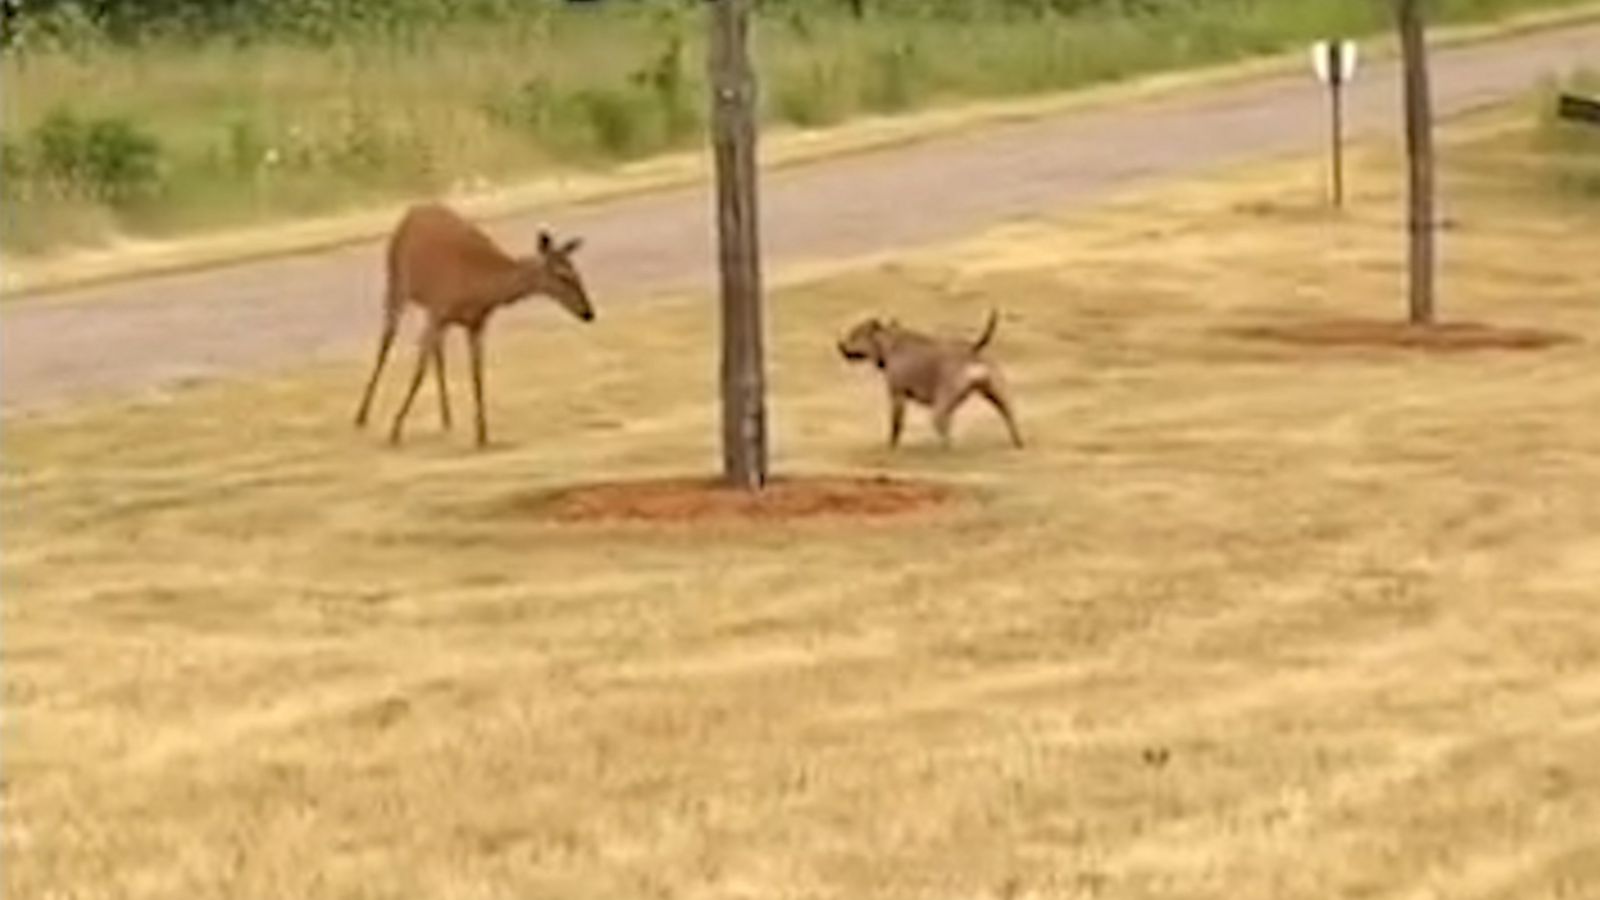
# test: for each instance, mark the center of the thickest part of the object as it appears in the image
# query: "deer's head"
(558, 277)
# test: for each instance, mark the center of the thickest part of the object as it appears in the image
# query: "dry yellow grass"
(1247, 620)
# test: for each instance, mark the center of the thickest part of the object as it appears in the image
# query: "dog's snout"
(588, 315)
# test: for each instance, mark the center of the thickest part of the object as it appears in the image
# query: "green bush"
(63, 28)
(106, 159)
(13, 167)
(314, 21)
(362, 147)
(268, 108)
(525, 107)
(896, 79)
(247, 147)
(810, 98)
(676, 100)
(655, 106)
(614, 120)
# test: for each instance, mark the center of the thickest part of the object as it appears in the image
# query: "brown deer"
(459, 276)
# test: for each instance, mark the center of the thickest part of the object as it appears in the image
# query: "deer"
(459, 276)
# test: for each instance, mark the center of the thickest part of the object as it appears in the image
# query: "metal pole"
(744, 427)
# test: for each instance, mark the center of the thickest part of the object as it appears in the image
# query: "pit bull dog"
(928, 371)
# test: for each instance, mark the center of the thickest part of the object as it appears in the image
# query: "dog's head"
(865, 341)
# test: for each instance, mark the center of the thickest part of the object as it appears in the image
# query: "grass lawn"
(1246, 621)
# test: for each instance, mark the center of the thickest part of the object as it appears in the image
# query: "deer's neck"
(520, 279)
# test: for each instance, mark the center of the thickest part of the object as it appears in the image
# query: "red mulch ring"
(690, 500)
(1446, 337)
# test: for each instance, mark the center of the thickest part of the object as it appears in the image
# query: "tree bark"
(1420, 157)
(1336, 127)
(744, 427)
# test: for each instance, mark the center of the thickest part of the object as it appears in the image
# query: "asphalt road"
(135, 335)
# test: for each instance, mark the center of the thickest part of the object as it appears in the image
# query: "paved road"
(139, 334)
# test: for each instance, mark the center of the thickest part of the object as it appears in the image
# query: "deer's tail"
(394, 289)
(988, 332)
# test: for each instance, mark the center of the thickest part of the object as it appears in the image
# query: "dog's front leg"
(941, 426)
(897, 419)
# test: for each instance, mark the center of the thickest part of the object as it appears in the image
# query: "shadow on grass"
(1451, 337)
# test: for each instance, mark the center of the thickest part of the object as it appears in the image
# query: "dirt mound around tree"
(690, 500)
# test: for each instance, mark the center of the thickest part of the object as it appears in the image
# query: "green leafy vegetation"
(159, 117)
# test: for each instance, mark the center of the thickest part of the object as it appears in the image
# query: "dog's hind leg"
(944, 410)
(993, 389)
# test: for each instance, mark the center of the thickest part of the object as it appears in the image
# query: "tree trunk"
(744, 427)
(1336, 128)
(1419, 150)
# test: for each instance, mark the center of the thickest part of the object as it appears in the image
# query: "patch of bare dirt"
(1444, 337)
(690, 500)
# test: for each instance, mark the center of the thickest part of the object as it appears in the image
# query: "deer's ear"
(571, 247)
(545, 243)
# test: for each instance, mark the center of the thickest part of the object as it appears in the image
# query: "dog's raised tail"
(988, 332)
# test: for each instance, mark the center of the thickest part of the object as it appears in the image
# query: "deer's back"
(439, 259)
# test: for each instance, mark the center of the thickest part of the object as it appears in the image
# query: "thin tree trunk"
(1419, 149)
(1337, 128)
(744, 430)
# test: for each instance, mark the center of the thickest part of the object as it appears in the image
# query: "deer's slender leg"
(391, 322)
(475, 344)
(425, 353)
(444, 391)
